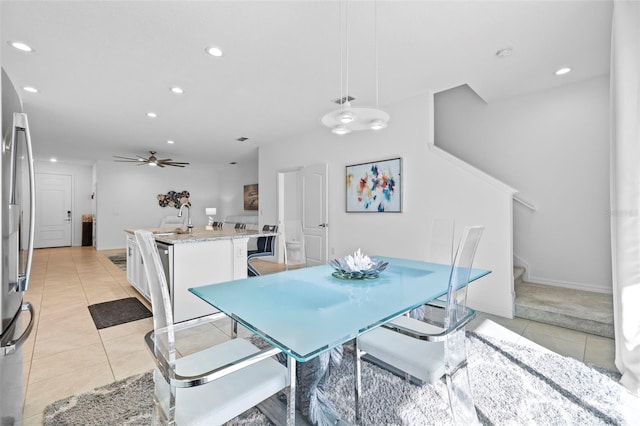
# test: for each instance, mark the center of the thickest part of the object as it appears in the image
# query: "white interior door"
(315, 213)
(53, 210)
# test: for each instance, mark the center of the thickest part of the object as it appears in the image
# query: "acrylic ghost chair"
(425, 350)
(441, 241)
(440, 251)
(212, 386)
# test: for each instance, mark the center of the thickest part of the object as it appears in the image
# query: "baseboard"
(569, 284)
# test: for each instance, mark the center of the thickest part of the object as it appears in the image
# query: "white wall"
(81, 203)
(126, 195)
(231, 181)
(552, 146)
(433, 186)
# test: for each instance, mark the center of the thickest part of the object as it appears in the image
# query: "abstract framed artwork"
(251, 197)
(375, 187)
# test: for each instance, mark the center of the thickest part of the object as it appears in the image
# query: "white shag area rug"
(511, 385)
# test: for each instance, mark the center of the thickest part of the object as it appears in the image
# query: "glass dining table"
(308, 312)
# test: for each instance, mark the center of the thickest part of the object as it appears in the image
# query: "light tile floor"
(66, 355)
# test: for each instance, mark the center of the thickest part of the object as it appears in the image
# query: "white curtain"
(625, 188)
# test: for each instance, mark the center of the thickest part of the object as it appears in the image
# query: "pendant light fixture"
(347, 118)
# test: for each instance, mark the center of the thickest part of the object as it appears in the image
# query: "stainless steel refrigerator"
(17, 215)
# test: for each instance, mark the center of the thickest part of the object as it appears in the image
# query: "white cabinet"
(136, 275)
(202, 263)
(191, 264)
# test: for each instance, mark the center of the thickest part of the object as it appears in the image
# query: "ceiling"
(101, 66)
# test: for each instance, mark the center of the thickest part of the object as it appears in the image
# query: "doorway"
(302, 214)
(53, 210)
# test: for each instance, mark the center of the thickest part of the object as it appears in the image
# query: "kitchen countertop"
(200, 234)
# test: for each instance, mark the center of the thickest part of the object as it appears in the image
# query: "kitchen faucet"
(189, 224)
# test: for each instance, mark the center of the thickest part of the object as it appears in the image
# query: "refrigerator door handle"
(11, 346)
(20, 122)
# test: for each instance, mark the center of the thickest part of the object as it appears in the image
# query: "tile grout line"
(104, 348)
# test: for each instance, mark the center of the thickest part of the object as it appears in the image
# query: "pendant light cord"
(346, 37)
(375, 45)
(341, 55)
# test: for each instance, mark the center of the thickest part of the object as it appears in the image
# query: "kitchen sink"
(164, 233)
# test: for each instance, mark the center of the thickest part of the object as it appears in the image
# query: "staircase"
(584, 311)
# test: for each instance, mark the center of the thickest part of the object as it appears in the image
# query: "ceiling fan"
(152, 161)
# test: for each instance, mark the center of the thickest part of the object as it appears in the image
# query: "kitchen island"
(202, 257)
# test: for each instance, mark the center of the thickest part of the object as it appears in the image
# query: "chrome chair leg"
(358, 379)
(463, 410)
(291, 400)
(234, 328)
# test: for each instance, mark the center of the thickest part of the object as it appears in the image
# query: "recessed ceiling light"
(563, 71)
(177, 90)
(20, 46)
(53, 160)
(30, 89)
(503, 53)
(170, 142)
(242, 139)
(152, 115)
(213, 51)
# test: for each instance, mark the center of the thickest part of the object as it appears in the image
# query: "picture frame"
(251, 197)
(374, 187)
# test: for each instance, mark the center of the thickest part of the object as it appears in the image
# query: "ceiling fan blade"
(150, 160)
(173, 163)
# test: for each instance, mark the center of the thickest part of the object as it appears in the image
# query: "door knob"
(323, 225)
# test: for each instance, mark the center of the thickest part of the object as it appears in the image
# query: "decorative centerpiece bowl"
(357, 267)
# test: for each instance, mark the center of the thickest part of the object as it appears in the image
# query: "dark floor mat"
(120, 260)
(118, 312)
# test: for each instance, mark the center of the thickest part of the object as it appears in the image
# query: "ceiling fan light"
(378, 124)
(341, 130)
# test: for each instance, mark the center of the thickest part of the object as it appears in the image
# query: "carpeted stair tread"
(518, 275)
(575, 309)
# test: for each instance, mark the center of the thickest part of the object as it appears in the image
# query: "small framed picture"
(251, 197)
(375, 187)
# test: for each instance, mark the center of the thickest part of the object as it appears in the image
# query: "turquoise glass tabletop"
(308, 311)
